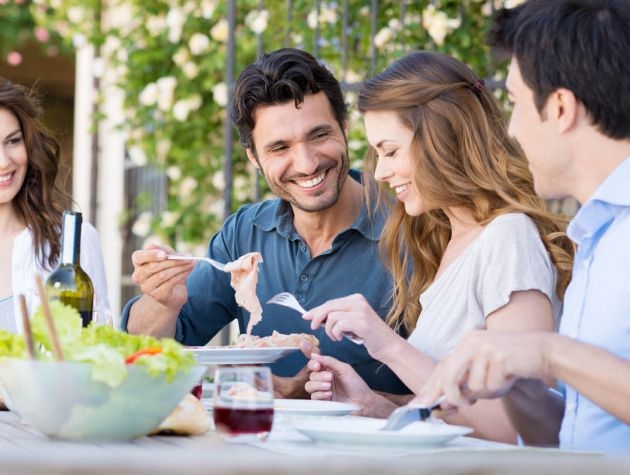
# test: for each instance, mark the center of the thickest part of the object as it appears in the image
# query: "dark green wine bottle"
(69, 283)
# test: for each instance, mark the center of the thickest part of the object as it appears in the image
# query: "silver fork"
(212, 262)
(288, 300)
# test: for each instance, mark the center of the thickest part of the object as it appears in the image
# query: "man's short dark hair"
(276, 78)
(580, 45)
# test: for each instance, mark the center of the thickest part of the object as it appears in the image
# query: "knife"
(405, 415)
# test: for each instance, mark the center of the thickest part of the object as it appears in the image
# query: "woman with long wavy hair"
(31, 206)
(468, 242)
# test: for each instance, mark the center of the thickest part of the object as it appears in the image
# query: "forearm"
(590, 369)
(411, 365)
(535, 411)
(149, 317)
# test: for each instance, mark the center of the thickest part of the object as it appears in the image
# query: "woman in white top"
(30, 207)
(468, 242)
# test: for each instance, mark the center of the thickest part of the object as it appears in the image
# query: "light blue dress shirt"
(597, 306)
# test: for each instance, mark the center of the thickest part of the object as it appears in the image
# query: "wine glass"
(102, 316)
(243, 402)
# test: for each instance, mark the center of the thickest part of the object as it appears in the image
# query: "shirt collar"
(280, 217)
(610, 198)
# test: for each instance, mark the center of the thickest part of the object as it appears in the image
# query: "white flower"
(218, 181)
(355, 145)
(142, 226)
(187, 186)
(79, 40)
(219, 32)
(311, 19)
(156, 25)
(175, 20)
(166, 91)
(137, 156)
(438, 24)
(220, 94)
(328, 14)
(198, 43)
(169, 219)
(181, 109)
(174, 172)
(163, 147)
(76, 14)
(257, 20)
(207, 9)
(382, 37)
(98, 67)
(149, 95)
(181, 56)
(190, 69)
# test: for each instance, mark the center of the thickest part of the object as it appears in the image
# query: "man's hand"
(159, 278)
(485, 364)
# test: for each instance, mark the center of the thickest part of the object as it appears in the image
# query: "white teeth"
(401, 188)
(311, 183)
(4, 178)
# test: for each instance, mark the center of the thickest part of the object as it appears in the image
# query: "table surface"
(24, 451)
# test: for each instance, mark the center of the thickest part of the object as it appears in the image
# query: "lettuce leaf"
(103, 347)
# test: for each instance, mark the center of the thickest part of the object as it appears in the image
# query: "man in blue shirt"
(569, 81)
(318, 239)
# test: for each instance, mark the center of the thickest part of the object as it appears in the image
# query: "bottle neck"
(71, 238)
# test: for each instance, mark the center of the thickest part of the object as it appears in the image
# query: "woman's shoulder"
(514, 224)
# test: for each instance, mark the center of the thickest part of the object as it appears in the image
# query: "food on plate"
(276, 339)
(189, 418)
(244, 277)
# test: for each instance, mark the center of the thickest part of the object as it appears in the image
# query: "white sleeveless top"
(7, 319)
(507, 256)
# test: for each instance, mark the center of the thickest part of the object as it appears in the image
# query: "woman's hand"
(333, 380)
(352, 315)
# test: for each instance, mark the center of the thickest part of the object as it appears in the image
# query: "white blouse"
(508, 256)
(25, 265)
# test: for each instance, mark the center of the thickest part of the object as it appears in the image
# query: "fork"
(212, 262)
(288, 300)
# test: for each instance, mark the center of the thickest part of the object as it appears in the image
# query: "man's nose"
(304, 159)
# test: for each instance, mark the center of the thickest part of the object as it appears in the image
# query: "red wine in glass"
(237, 421)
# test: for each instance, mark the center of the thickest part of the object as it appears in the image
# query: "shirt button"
(585, 264)
(302, 248)
(304, 277)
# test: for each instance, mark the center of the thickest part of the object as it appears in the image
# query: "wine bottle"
(69, 283)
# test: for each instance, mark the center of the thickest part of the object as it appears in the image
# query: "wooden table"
(23, 451)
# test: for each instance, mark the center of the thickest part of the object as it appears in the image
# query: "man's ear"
(252, 158)
(565, 109)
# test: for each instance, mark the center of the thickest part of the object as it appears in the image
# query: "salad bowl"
(62, 400)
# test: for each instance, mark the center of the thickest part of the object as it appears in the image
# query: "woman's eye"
(390, 154)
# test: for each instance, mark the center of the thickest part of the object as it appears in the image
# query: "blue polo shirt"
(351, 265)
(597, 306)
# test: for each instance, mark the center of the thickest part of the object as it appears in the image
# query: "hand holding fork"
(288, 300)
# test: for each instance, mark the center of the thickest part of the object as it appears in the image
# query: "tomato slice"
(152, 350)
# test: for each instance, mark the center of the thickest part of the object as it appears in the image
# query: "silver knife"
(405, 415)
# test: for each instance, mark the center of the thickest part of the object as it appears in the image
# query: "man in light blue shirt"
(569, 81)
(318, 239)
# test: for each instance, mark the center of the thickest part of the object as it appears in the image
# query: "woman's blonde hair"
(463, 158)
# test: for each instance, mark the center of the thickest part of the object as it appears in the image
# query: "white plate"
(228, 355)
(308, 407)
(364, 432)
(305, 407)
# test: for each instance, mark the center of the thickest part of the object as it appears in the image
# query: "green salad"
(108, 350)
